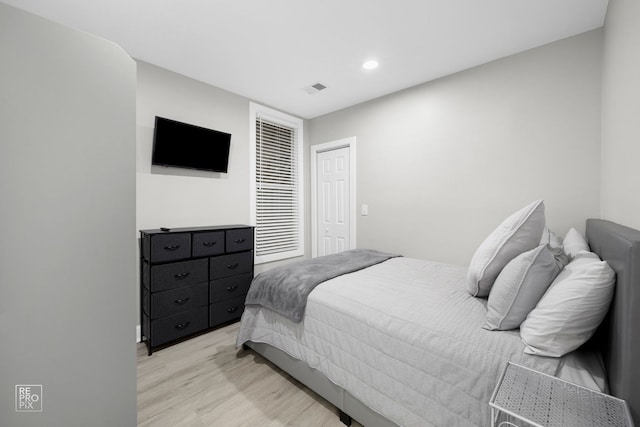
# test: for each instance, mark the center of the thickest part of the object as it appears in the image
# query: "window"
(276, 184)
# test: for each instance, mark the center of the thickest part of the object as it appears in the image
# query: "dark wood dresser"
(192, 280)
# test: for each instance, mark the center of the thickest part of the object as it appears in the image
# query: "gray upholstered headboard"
(619, 335)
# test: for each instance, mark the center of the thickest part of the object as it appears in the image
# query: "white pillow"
(518, 233)
(520, 286)
(550, 238)
(574, 242)
(572, 308)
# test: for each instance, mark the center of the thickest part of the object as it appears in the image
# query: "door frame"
(321, 148)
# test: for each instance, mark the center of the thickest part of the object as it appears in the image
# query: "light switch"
(365, 210)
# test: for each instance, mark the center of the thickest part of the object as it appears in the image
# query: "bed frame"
(618, 338)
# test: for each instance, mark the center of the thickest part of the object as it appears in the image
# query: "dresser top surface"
(195, 229)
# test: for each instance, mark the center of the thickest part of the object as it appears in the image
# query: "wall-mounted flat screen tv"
(188, 146)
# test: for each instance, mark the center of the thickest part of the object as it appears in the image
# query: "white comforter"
(405, 338)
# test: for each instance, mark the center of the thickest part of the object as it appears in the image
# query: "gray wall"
(621, 113)
(174, 197)
(67, 132)
(442, 164)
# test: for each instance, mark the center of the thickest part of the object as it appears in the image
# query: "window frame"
(280, 118)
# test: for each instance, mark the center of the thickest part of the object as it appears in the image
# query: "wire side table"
(528, 398)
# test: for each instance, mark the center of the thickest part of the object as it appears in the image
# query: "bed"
(371, 354)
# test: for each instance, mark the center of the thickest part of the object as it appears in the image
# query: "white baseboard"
(138, 334)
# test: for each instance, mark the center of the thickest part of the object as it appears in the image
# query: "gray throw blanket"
(285, 289)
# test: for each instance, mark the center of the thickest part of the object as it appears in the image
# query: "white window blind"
(277, 197)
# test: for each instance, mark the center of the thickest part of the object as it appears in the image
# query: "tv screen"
(188, 146)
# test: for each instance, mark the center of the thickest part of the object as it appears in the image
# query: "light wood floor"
(205, 381)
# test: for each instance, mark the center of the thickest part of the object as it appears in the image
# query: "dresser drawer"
(222, 312)
(208, 244)
(170, 247)
(180, 299)
(177, 274)
(230, 287)
(239, 239)
(178, 325)
(230, 265)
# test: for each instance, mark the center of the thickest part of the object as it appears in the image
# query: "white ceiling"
(270, 50)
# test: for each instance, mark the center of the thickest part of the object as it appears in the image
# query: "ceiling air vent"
(314, 88)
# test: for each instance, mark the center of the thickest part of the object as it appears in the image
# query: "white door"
(333, 202)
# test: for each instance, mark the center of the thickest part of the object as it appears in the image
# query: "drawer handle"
(181, 276)
(208, 244)
(171, 248)
(232, 288)
(232, 266)
(238, 241)
(182, 325)
(232, 309)
(181, 301)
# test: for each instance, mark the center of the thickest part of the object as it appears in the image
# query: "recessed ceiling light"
(370, 65)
